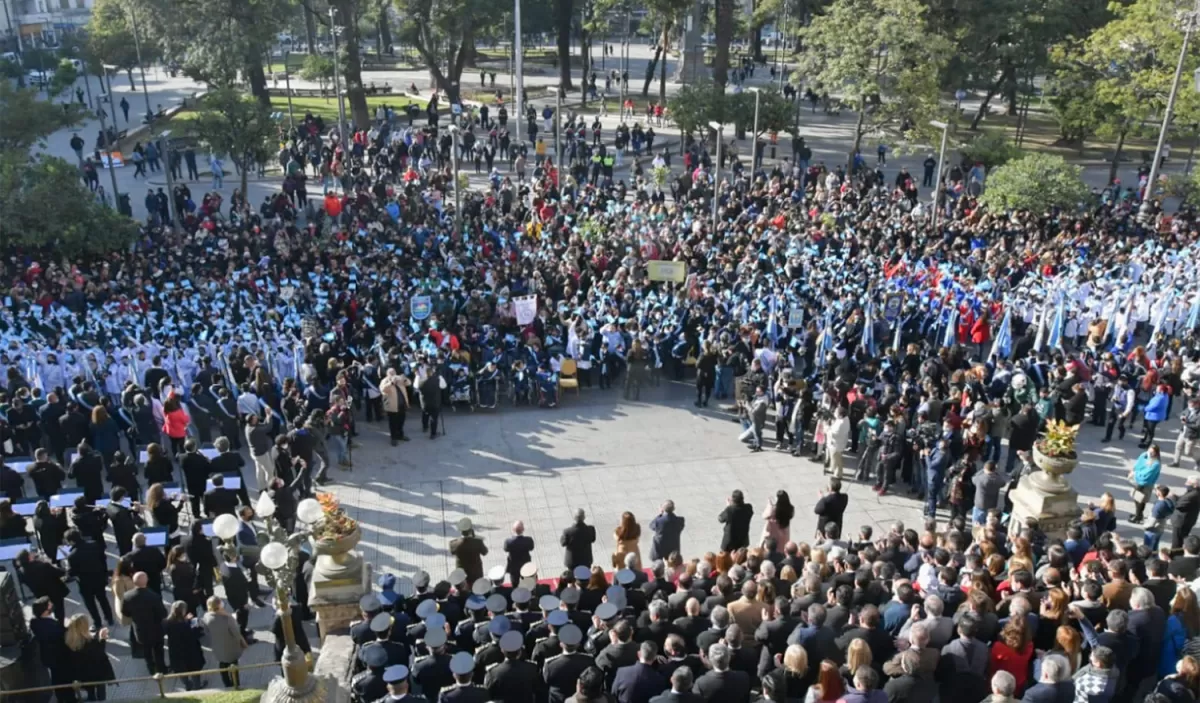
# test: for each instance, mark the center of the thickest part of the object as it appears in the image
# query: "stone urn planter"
(336, 559)
(1051, 478)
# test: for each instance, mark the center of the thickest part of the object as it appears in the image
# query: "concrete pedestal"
(691, 55)
(1048, 498)
(335, 598)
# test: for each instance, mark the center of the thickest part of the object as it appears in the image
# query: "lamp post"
(937, 184)
(137, 45)
(720, 129)
(112, 168)
(754, 134)
(287, 82)
(518, 97)
(1190, 20)
(337, 82)
(557, 88)
(454, 130)
(280, 560)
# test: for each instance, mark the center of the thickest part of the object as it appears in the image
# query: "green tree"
(317, 68)
(231, 123)
(724, 36)
(65, 75)
(883, 57)
(109, 39)
(696, 104)
(990, 149)
(443, 33)
(1129, 64)
(42, 200)
(1037, 183)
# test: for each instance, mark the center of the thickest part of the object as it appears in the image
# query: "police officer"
(448, 604)
(368, 606)
(397, 652)
(513, 680)
(396, 677)
(602, 621)
(497, 607)
(425, 610)
(570, 601)
(369, 685)
(529, 581)
(490, 653)
(561, 672)
(521, 616)
(496, 576)
(431, 673)
(547, 646)
(464, 632)
(420, 593)
(387, 595)
(635, 597)
(540, 629)
(462, 666)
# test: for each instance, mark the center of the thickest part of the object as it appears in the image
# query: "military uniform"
(464, 694)
(561, 674)
(512, 681)
(432, 674)
(486, 656)
(543, 649)
(368, 686)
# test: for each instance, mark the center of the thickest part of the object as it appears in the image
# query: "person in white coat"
(835, 441)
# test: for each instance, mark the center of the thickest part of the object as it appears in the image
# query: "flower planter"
(1053, 465)
(336, 558)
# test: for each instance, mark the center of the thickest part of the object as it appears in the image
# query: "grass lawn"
(327, 108)
(248, 695)
(294, 62)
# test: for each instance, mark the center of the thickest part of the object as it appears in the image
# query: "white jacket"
(838, 434)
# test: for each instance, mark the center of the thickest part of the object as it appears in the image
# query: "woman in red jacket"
(175, 422)
(981, 331)
(1012, 651)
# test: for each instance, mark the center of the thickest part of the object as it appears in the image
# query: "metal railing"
(159, 679)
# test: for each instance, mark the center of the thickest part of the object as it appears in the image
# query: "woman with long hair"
(175, 422)
(159, 468)
(183, 644)
(778, 519)
(829, 686)
(183, 578)
(11, 524)
(1184, 685)
(1013, 651)
(105, 433)
(162, 511)
(122, 583)
(626, 536)
(1052, 614)
(858, 655)
(798, 676)
(592, 594)
(1182, 625)
(85, 657)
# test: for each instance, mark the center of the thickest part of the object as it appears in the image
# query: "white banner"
(526, 307)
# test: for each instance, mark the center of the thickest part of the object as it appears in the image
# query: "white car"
(38, 78)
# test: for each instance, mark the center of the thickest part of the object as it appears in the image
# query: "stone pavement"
(606, 455)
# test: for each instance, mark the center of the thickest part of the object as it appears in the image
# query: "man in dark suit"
(736, 518)
(831, 506)
(125, 522)
(88, 564)
(621, 651)
(196, 470)
(1187, 509)
(577, 542)
(1055, 684)
(237, 592)
(881, 643)
(148, 560)
(145, 608)
(44, 580)
(639, 682)
(561, 672)
(681, 688)
(818, 640)
(48, 632)
(722, 684)
(667, 528)
(1148, 624)
(519, 548)
(220, 500)
(230, 462)
(772, 635)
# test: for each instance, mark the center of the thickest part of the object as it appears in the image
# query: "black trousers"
(396, 424)
(374, 408)
(429, 420)
(93, 594)
(226, 677)
(1117, 420)
(156, 658)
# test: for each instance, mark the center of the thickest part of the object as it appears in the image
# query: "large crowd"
(819, 298)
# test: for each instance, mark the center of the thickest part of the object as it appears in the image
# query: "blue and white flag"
(1161, 319)
(868, 333)
(1194, 313)
(950, 335)
(1056, 326)
(1002, 346)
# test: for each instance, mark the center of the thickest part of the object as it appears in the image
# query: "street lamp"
(557, 124)
(137, 45)
(337, 83)
(937, 184)
(454, 130)
(280, 559)
(518, 106)
(1190, 19)
(754, 134)
(720, 129)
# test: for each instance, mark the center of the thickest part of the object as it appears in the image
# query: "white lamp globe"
(226, 526)
(273, 556)
(265, 507)
(309, 511)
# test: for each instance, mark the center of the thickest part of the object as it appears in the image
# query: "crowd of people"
(819, 297)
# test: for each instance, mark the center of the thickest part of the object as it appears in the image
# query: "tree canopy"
(42, 199)
(1037, 183)
(231, 123)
